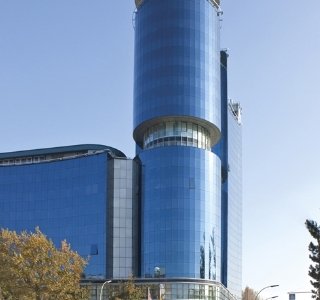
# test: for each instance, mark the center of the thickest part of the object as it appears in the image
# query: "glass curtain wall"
(177, 77)
(66, 199)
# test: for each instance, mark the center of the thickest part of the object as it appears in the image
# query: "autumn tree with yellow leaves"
(31, 267)
(249, 294)
(128, 290)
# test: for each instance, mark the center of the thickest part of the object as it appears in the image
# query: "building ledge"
(216, 3)
(54, 154)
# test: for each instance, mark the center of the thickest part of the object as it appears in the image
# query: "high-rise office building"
(177, 122)
(188, 140)
(171, 216)
(229, 151)
(84, 193)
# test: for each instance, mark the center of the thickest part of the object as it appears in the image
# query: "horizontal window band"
(179, 130)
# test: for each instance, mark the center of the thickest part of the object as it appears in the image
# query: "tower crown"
(214, 2)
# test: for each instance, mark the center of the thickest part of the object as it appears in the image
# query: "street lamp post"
(108, 281)
(272, 297)
(269, 286)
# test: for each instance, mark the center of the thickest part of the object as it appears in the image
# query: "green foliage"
(31, 267)
(314, 269)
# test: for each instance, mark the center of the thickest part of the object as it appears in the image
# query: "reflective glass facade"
(221, 149)
(190, 154)
(229, 151)
(181, 213)
(177, 61)
(66, 199)
(234, 203)
(177, 121)
(86, 194)
(171, 216)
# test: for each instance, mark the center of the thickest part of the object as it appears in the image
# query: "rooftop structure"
(214, 2)
(56, 153)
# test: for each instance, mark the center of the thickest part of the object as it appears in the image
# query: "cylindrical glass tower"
(176, 124)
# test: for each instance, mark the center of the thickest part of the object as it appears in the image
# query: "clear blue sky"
(66, 71)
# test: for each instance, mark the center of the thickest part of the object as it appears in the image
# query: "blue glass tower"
(188, 139)
(172, 216)
(229, 151)
(177, 116)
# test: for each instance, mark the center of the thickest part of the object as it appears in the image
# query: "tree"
(31, 267)
(248, 294)
(129, 290)
(314, 269)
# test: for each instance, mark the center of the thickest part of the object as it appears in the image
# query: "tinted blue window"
(181, 205)
(66, 199)
(177, 61)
